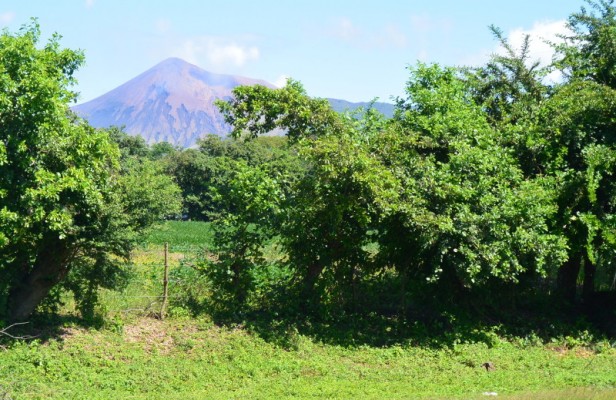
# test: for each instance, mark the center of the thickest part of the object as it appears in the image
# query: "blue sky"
(353, 50)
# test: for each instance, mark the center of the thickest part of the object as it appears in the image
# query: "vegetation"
(486, 184)
(358, 256)
(68, 213)
(135, 355)
(150, 359)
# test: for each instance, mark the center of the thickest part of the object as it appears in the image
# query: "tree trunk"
(313, 273)
(354, 289)
(50, 267)
(567, 278)
(239, 289)
(588, 287)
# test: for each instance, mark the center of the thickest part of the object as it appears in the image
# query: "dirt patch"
(152, 333)
(69, 332)
(581, 352)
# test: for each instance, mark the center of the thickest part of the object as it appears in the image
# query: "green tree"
(200, 171)
(467, 211)
(251, 201)
(197, 174)
(579, 118)
(434, 188)
(589, 51)
(328, 213)
(334, 215)
(64, 207)
(129, 145)
(257, 110)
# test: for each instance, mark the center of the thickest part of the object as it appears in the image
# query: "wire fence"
(156, 283)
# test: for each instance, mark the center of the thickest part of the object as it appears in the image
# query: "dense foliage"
(485, 179)
(489, 188)
(352, 253)
(68, 211)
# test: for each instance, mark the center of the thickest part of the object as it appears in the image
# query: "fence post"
(163, 307)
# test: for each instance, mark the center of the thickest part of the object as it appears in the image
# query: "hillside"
(174, 102)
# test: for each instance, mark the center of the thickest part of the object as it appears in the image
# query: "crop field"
(182, 236)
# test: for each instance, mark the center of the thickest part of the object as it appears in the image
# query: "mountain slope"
(174, 102)
(386, 109)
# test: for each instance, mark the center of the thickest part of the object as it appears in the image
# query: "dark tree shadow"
(45, 327)
(431, 321)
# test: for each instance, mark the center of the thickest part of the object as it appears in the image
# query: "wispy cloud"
(6, 18)
(162, 25)
(347, 31)
(89, 3)
(344, 29)
(217, 51)
(427, 29)
(391, 35)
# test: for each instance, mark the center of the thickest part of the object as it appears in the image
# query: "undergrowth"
(275, 352)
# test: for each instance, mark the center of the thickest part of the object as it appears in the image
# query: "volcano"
(174, 102)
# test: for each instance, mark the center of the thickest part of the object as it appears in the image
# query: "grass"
(145, 358)
(136, 356)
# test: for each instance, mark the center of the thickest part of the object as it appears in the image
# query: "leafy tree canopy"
(64, 206)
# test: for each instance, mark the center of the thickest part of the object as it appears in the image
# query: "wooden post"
(165, 284)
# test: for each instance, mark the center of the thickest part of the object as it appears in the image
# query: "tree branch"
(5, 332)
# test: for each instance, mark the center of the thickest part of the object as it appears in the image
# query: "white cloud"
(344, 29)
(391, 36)
(281, 81)
(89, 3)
(422, 55)
(231, 53)
(7, 17)
(217, 51)
(540, 34)
(426, 32)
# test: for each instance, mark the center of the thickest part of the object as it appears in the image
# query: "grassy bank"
(147, 358)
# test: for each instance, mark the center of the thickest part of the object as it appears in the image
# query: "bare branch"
(5, 332)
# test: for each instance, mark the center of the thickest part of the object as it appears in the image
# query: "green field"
(130, 354)
(182, 236)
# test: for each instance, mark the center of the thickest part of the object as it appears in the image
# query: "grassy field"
(145, 358)
(133, 355)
